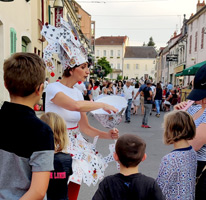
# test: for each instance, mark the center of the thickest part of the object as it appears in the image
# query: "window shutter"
(12, 41)
(49, 9)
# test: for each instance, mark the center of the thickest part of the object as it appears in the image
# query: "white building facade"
(196, 41)
(113, 49)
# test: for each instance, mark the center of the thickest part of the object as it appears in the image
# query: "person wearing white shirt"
(128, 94)
(81, 86)
(96, 90)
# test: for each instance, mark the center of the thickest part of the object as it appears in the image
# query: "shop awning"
(193, 69)
(179, 74)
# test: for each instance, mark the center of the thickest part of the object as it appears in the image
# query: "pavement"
(155, 149)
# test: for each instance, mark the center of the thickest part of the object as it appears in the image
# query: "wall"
(115, 61)
(17, 15)
(197, 56)
(85, 23)
(145, 66)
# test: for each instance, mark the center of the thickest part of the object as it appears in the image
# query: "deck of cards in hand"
(111, 120)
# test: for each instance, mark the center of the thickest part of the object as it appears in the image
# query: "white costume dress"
(88, 165)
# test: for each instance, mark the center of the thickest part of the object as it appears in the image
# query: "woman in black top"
(109, 88)
(58, 189)
(119, 90)
(158, 99)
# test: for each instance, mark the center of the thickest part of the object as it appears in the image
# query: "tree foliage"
(119, 77)
(151, 42)
(106, 67)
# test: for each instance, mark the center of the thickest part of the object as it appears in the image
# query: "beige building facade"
(113, 49)
(139, 62)
(15, 34)
(20, 26)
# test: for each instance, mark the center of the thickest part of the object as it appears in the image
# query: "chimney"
(175, 34)
(200, 5)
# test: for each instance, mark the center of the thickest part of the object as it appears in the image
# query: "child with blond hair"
(58, 188)
(177, 172)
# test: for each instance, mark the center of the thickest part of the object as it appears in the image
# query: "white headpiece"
(65, 42)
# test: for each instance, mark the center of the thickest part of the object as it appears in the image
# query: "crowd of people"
(140, 94)
(50, 158)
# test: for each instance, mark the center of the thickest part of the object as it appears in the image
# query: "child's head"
(58, 126)
(23, 73)
(130, 150)
(178, 125)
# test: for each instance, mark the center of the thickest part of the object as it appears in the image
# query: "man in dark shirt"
(26, 144)
(129, 184)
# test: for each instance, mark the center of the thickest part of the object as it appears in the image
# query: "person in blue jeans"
(158, 99)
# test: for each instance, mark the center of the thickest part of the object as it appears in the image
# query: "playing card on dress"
(49, 64)
(95, 141)
(77, 175)
(109, 158)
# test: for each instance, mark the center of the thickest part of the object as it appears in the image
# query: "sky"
(139, 19)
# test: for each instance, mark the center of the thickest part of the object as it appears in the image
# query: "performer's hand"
(180, 105)
(108, 108)
(114, 133)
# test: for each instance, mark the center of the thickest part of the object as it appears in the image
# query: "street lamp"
(58, 4)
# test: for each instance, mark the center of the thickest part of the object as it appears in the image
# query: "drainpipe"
(42, 21)
(42, 12)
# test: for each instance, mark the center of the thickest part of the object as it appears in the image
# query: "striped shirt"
(201, 154)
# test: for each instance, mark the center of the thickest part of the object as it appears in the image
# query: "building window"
(127, 66)
(12, 41)
(105, 53)
(111, 53)
(136, 66)
(118, 66)
(97, 53)
(39, 52)
(196, 41)
(112, 65)
(190, 47)
(146, 76)
(202, 39)
(24, 45)
(35, 50)
(118, 53)
(111, 76)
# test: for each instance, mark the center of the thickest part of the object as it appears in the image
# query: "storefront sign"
(172, 58)
(179, 69)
